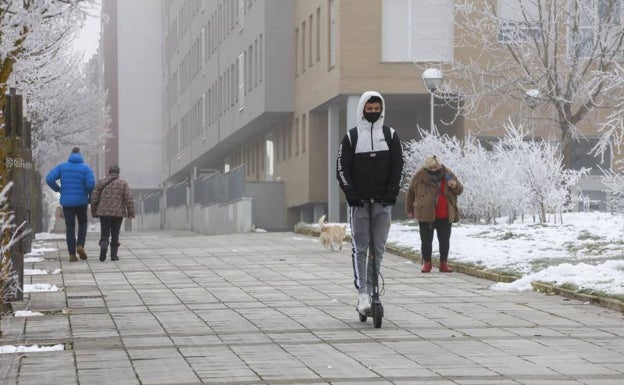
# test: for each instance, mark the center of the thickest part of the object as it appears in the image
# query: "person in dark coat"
(369, 169)
(111, 201)
(77, 181)
(432, 199)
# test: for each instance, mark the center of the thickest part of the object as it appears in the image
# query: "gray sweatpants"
(358, 218)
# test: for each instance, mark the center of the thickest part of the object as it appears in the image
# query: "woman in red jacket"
(432, 200)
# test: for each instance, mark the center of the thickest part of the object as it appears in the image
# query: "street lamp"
(432, 77)
(532, 98)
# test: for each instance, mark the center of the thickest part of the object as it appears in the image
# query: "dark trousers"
(109, 227)
(442, 228)
(70, 214)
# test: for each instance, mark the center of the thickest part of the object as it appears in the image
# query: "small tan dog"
(331, 234)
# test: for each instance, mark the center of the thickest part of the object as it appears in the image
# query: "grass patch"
(507, 235)
(592, 247)
(597, 293)
(586, 235)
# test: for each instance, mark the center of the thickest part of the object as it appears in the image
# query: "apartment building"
(342, 50)
(130, 60)
(273, 85)
(227, 84)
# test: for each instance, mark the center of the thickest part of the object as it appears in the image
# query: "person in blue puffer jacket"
(77, 182)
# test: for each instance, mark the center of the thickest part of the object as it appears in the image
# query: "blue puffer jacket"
(77, 181)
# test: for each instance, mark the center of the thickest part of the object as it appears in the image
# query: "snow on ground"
(39, 287)
(582, 249)
(586, 250)
(4, 349)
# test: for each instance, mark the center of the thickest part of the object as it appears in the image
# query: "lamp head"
(532, 97)
(432, 77)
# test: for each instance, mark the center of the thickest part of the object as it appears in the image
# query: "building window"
(250, 68)
(260, 59)
(310, 46)
(289, 138)
(417, 31)
(255, 62)
(241, 15)
(517, 21)
(303, 47)
(318, 34)
(241, 81)
(517, 31)
(296, 136)
(304, 129)
(331, 36)
(209, 106)
(284, 142)
(226, 90)
(203, 45)
(270, 156)
(581, 156)
(296, 51)
(592, 22)
(277, 146)
(233, 85)
(204, 112)
(258, 157)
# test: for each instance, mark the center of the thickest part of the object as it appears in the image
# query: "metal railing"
(176, 194)
(220, 188)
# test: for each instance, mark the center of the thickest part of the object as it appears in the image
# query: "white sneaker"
(364, 303)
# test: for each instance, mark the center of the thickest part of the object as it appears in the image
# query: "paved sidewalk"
(275, 308)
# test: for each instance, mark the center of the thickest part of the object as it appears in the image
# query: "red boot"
(426, 267)
(444, 267)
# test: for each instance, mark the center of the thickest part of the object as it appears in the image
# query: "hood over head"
(361, 120)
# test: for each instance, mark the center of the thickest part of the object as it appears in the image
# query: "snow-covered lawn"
(586, 250)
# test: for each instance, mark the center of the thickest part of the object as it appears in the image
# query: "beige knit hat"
(432, 161)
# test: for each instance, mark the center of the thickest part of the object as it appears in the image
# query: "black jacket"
(371, 167)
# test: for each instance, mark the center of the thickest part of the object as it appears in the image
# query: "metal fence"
(176, 195)
(220, 188)
(151, 203)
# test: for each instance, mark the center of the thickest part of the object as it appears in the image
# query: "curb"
(542, 287)
(609, 303)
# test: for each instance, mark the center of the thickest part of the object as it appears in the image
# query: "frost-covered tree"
(539, 168)
(517, 176)
(566, 49)
(612, 128)
(9, 283)
(614, 187)
(66, 110)
(35, 30)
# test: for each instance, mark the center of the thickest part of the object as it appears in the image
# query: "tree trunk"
(567, 145)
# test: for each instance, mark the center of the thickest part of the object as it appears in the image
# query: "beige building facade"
(340, 54)
(273, 85)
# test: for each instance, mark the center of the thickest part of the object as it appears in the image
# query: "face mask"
(372, 117)
(434, 173)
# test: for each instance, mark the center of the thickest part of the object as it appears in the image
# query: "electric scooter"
(376, 310)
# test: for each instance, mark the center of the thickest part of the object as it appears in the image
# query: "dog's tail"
(322, 222)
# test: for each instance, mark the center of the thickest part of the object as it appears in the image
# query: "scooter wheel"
(362, 317)
(377, 315)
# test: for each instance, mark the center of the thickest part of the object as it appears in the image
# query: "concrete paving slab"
(275, 308)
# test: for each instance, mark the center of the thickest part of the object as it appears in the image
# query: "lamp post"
(432, 77)
(532, 98)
